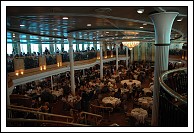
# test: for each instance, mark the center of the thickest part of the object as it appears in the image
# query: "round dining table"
(130, 82)
(139, 114)
(112, 100)
(145, 101)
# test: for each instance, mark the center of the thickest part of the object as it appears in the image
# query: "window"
(85, 46)
(91, 45)
(9, 48)
(44, 47)
(74, 47)
(23, 48)
(98, 46)
(57, 46)
(66, 47)
(80, 47)
(34, 48)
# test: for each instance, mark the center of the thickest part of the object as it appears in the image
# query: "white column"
(101, 61)
(18, 44)
(70, 40)
(52, 82)
(135, 50)
(83, 72)
(117, 58)
(9, 92)
(162, 25)
(153, 52)
(143, 49)
(131, 51)
(55, 48)
(127, 56)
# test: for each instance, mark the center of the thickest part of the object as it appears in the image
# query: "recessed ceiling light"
(179, 20)
(22, 25)
(140, 11)
(107, 32)
(65, 17)
(144, 24)
(141, 27)
(89, 24)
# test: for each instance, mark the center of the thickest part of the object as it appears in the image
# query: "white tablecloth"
(145, 101)
(137, 82)
(147, 90)
(135, 76)
(57, 93)
(112, 80)
(114, 76)
(112, 100)
(122, 90)
(140, 114)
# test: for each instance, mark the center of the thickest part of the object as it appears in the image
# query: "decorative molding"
(165, 44)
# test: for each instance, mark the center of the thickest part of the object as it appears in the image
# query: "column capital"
(162, 25)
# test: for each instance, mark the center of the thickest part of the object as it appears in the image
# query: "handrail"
(84, 116)
(88, 113)
(42, 113)
(102, 107)
(44, 121)
(21, 107)
(168, 89)
(98, 118)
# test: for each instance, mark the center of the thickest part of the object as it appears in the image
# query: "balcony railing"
(33, 61)
(173, 106)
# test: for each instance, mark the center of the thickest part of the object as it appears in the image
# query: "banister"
(168, 89)
(42, 113)
(43, 121)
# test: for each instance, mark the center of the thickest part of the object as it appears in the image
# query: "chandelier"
(130, 44)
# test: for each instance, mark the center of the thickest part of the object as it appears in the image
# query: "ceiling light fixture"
(89, 24)
(107, 32)
(141, 27)
(22, 25)
(65, 17)
(179, 20)
(130, 44)
(140, 11)
(144, 24)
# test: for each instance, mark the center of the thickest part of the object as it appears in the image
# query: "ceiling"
(107, 23)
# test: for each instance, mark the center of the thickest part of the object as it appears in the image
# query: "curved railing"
(168, 89)
(173, 105)
(21, 122)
